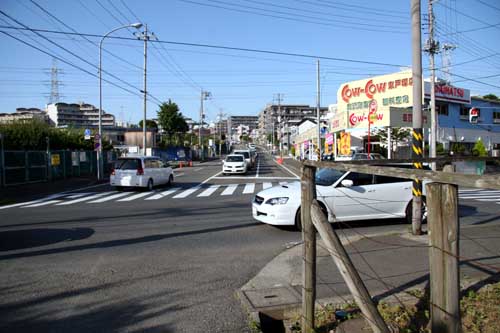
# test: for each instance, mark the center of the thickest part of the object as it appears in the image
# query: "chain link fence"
(22, 167)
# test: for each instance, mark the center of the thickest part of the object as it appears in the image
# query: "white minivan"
(141, 171)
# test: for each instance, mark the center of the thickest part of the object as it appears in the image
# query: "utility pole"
(204, 95)
(417, 114)
(145, 36)
(279, 97)
(432, 47)
(219, 124)
(318, 110)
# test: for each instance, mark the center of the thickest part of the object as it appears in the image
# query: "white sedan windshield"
(327, 177)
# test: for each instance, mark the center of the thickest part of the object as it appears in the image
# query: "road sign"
(97, 137)
(87, 134)
(55, 159)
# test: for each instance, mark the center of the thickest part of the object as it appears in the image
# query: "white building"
(78, 115)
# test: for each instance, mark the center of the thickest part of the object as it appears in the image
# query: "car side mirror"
(347, 183)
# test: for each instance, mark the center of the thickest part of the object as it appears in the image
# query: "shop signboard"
(403, 117)
(448, 93)
(329, 138)
(344, 144)
(354, 99)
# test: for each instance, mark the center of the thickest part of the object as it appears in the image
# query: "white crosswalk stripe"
(480, 195)
(43, 203)
(209, 191)
(186, 192)
(65, 199)
(230, 189)
(98, 195)
(249, 188)
(135, 196)
(111, 197)
(163, 194)
(267, 185)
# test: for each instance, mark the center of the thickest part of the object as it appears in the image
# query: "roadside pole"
(2, 160)
(417, 114)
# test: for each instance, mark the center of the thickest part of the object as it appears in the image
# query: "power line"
(302, 10)
(230, 48)
(488, 5)
(84, 37)
(278, 15)
(69, 51)
(474, 18)
(67, 62)
(473, 80)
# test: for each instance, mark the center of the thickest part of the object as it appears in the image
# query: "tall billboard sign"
(355, 98)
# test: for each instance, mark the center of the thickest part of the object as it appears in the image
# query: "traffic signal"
(473, 115)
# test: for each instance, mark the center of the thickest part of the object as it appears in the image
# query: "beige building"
(24, 114)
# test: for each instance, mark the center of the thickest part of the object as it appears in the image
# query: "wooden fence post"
(347, 270)
(308, 189)
(442, 201)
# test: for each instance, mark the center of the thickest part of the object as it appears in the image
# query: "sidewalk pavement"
(389, 263)
(389, 260)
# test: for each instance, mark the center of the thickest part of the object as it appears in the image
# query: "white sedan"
(344, 196)
(234, 163)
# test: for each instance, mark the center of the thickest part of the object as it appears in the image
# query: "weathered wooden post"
(308, 188)
(442, 201)
(347, 270)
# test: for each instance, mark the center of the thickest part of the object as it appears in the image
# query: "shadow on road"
(23, 239)
(125, 242)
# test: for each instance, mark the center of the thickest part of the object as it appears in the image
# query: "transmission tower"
(54, 83)
(446, 60)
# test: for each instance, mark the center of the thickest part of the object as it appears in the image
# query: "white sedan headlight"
(277, 201)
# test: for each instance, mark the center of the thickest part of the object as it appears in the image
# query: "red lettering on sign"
(371, 88)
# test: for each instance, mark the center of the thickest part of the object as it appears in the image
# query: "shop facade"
(386, 101)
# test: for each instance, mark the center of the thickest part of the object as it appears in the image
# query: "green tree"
(149, 124)
(479, 149)
(398, 134)
(171, 119)
(492, 97)
(33, 135)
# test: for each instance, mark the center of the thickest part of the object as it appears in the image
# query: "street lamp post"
(99, 149)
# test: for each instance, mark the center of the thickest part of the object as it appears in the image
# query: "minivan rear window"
(128, 164)
(244, 153)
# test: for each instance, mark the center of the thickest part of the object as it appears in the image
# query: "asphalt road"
(166, 265)
(170, 264)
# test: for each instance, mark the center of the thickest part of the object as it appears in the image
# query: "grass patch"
(480, 313)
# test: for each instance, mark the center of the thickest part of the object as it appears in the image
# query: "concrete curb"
(265, 289)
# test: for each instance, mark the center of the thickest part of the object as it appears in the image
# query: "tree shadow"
(22, 239)
(131, 315)
(125, 242)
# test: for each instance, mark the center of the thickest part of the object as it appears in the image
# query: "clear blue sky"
(241, 83)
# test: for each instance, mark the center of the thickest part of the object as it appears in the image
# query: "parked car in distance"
(344, 196)
(365, 156)
(249, 157)
(234, 163)
(141, 171)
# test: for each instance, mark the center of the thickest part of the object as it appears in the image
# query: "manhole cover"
(272, 297)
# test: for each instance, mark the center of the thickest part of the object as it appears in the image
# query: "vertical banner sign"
(417, 150)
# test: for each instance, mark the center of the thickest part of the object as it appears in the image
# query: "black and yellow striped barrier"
(418, 153)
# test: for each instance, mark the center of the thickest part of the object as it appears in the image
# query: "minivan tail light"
(140, 171)
(113, 172)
